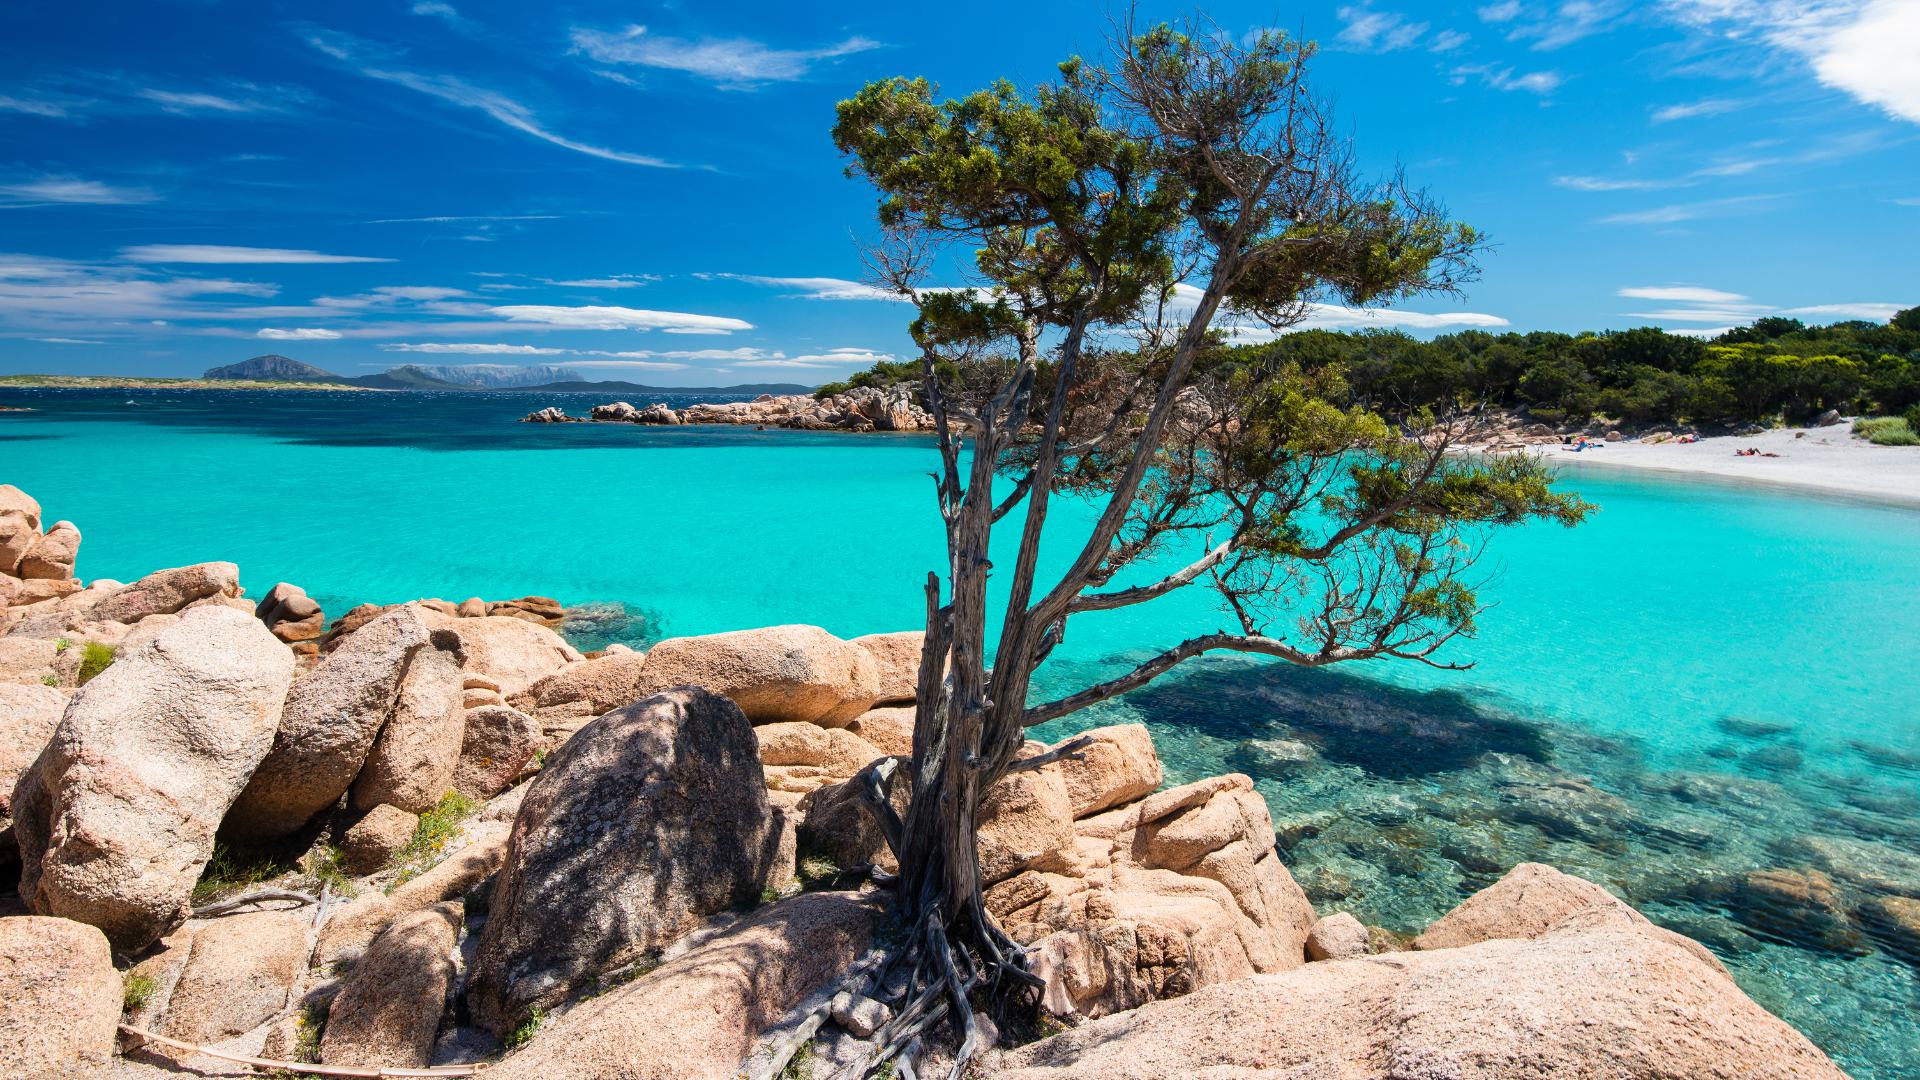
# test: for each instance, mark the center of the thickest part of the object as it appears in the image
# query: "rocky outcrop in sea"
(861, 409)
(438, 834)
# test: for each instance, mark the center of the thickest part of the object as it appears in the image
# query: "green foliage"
(800, 1065)
(1913, 419)
(430, 836)
(137, 991)
(883, 375)
(95, 657)
(1888, 430)
(232, 869)
(49, 680)
(528, 1028)
(1643, 376)
(62, 645)
(326, 866)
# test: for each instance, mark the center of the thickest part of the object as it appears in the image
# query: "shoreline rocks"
(860, 409)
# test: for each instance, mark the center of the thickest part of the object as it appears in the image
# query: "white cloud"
(642, 365)
(1607, 183)
(1679, 212)
(1446, 41)
(1685, 294)
(1875, 312)
(1864, 48)
(71, 189)
(1323, 316)
(67, 341)
(435, 8)
(419, 292)
(1367, 30)
(615, 281)
(1692, 109)
(1505, 11)
(723, 355)
(501, 108)
(59, 294)
(472, 349)
(218, 253)
(305, 333)
(813, 288)
(731, 63)
(619, 318)
(1507, 79)
(35, 106)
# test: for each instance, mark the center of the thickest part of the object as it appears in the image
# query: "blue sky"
(648, 191)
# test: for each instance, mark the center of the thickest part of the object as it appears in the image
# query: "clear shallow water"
(1700, 683)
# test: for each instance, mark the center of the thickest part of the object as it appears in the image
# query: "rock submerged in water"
(1593, 993)
(862, 408)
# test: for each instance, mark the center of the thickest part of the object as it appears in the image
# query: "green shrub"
(95, 657)
(524, 1034)
(1913, 419)
(430, 836)
(325, 866)
(1887, 431)
(138, 991)
(231, 870)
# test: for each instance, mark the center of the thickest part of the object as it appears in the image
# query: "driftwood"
(374, 1071)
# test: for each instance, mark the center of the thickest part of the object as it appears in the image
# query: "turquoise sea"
(1701, 683)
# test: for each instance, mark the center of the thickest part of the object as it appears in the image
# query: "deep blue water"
(1701, 682)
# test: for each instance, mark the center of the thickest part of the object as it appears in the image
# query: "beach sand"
(1829, 460)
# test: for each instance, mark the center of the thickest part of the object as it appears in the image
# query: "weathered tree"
(1124, 221)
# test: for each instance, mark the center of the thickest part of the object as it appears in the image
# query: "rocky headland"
(435, 834)
(861, 409)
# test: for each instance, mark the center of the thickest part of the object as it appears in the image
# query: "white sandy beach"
(1829, 460)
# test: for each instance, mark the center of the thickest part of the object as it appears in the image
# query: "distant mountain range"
(559, 380)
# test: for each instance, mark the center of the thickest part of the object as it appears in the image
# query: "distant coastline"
(142, 382)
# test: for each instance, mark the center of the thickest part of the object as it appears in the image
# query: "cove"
(1699, 684)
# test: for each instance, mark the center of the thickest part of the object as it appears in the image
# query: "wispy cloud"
(67, 341)
(71, 189)
(812, 288)
(232, 98)
(1505, 78)
(465, 348)
(1607, 183)
(619, 318)
(1679, 212)
(495, 105)
(1863, 48)
(1725, 310)
(1367, 30)
(60, 294)
(613, 281)
(1693, 109)
(219, 253)
(832, 358)
(37, 106)
(446, 219)
(1687, 294)
(305, 333)
(731, 63)
(746, 352)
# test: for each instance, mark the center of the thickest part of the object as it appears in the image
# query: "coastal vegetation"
(1776, 369)
(1330, 534)
(1890, 430)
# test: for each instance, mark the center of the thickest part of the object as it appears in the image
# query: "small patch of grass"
(49, 680)
(137, 991)
(815, 869)
(231, 870)
(1886, 431)
(95, 657)
(800, 1065)
(61, 645)
(524, 1034)
(437, 826)
(325, 866)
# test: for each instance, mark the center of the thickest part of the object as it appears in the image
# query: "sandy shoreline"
(1827, 460)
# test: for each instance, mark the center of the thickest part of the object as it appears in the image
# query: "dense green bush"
(1888, 430)
(1777, 368)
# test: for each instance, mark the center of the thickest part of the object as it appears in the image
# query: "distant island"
(276, 372)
